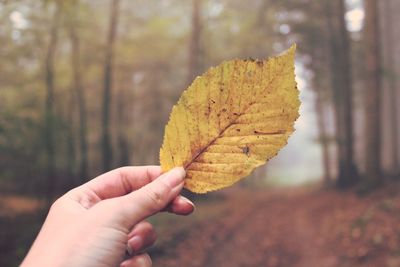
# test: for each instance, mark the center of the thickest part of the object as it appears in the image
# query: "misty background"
(87, 86)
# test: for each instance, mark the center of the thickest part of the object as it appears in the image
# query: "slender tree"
(392, 82)
(321, 85)
(372, 95)
(108, 73)
(195, 42)
(80, 97)
(123, 144)
(70, 139)
(323, 131)
(342, 93)
(49, 101)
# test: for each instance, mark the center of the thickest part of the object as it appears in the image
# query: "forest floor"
(288, 227)
(299, 227)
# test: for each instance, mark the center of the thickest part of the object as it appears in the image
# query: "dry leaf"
(232, 119)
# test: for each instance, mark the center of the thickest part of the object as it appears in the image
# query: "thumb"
(152, 197)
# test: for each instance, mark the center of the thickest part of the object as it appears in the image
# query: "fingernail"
(184, 199)
(135, 243)
(174, 177)
(129, 251)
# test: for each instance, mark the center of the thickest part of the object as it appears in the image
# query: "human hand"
(92, 224)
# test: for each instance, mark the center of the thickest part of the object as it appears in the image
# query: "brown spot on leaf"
(246, 150)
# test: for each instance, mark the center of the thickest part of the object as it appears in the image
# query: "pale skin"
(95, 223)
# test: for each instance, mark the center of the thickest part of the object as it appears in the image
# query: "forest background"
(87, 86)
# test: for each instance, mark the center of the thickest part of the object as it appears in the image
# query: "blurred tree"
(194, 55)
(49, 110)
(323, 134)
(342, 92)
(108, 75)
(388, 51)
(70, 140)
(314, 37)
(122, 140)
(372, 95)
(77, 86)
(317, 42)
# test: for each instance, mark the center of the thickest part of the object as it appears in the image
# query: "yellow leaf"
(233, 118)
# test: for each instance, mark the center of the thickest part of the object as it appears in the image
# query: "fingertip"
(184, 200)
(174, 177)
(180, 171)
(135, 243)
(141, 237)
(181, 206)
(141, 260)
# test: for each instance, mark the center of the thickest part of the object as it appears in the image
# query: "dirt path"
(276, 232)
(296, 228)
(254, 228)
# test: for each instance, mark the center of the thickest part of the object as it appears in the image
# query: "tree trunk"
(123, 144)
(49, 109)
(71, 151)
(194, 42)
(323, 134)
(348, 172)
(81, 101)
(392, 81)
(108, 72)
(343, 93)
(372, 95)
